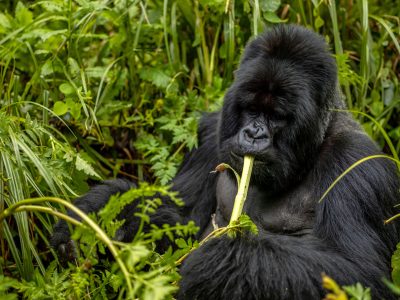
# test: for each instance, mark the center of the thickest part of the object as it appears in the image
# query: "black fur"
(281, 109)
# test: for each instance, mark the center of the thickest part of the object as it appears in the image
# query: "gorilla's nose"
(255, 132)
(254, 138)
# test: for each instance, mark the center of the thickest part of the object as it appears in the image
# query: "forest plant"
(102, 88)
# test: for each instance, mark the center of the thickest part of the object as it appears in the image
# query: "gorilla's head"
(278, 108)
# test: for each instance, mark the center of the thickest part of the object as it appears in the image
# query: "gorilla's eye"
(278, 117)
(253, 111)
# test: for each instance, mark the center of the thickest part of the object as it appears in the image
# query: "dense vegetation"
(98, 89)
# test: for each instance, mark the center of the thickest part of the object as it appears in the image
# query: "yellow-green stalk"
(243, 188)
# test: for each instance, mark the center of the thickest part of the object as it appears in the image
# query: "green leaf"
(23, 15)
(270, 5)
(375, 96)
(74, 108)
(158, 288)
(376, 108)
(47, 69)
(73, 67)
(358, 292)
(272, 17)
(4, 23)
(247, 224)
(43, 34)
(318, 22)
(51, 6)
(396, 266)
(60, 108)
(181, 243)
(66, 88)
(156, 76)
(95, 72)
(83, 165)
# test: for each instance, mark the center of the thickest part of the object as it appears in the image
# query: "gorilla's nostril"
(256, 133)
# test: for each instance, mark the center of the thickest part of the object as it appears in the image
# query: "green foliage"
(396, 266)
(243, 225)
(5, 284)
(358, 292)
(34, 160)
(96, 89)
(352, 292)
(247, 224)
(150, 274)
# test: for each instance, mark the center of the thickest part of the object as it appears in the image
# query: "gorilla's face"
(278, 111)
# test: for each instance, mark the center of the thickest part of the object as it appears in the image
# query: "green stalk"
(243, 188)
(229, 36)
(256, 17)
(365, 48)
(47, 210)
(165, 27)
(99, 232)
(357, 163)
(338, 45)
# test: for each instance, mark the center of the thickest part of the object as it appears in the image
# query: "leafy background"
(98, 89)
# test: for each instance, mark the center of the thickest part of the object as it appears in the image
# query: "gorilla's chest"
(290, 213)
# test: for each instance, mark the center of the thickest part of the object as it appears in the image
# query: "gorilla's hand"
(67, 251)
(93, 201)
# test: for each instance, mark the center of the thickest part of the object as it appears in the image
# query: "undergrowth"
(98, 89)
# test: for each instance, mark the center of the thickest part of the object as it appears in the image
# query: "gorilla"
(285, 109)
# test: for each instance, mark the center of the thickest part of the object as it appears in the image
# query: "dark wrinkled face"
(277, 111)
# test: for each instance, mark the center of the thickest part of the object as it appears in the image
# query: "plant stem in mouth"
(243, 188)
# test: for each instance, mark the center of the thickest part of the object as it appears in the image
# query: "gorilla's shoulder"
(208, 127)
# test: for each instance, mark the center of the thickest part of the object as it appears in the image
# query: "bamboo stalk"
(243, 188)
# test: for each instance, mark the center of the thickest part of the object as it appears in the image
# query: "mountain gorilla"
(282, 108)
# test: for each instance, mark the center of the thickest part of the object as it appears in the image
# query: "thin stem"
(359, 162)
(338, 45)
(100, 233)
(49, 211)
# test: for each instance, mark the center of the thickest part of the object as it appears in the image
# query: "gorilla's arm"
(192, 182)
(91, 202)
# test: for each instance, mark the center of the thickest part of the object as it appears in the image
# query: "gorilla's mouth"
(237, 159)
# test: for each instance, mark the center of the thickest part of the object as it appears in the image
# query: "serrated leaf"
(47, 69)
(358, 292)
(43, 34)
(95, 72)
(83, 165)
(68, 156)
(181, 243)
(247, 224)
(23, 15)
(4, 23)
(73, 67)
(51, 6)
(158, 288)
(270, 5)
(156, 76)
